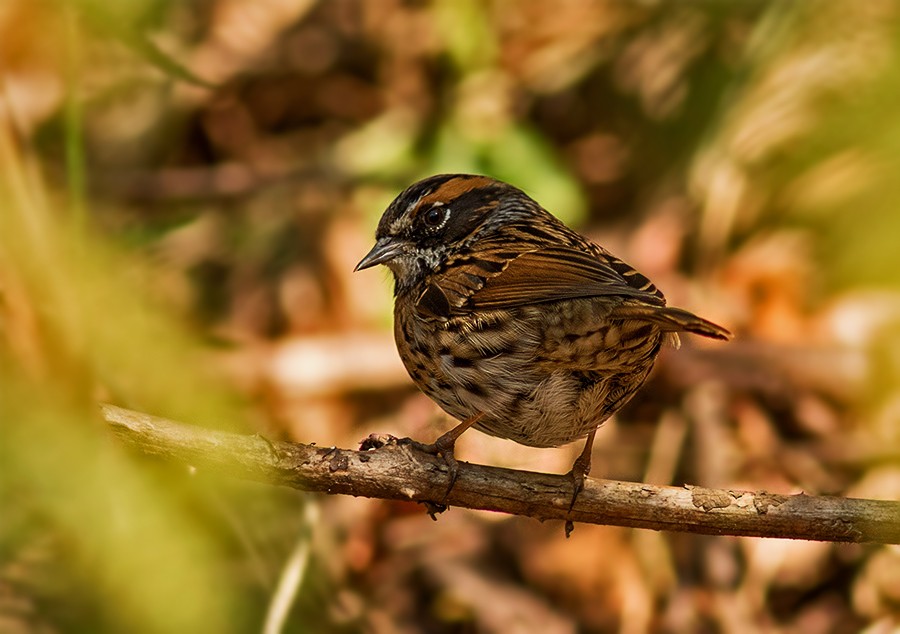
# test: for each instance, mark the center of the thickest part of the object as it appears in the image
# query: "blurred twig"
(395, 471)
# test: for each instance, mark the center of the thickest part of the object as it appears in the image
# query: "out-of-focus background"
(185, 188)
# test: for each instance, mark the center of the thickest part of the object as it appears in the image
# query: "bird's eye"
(435, 216)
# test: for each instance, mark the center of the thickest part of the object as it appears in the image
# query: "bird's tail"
(674, 320)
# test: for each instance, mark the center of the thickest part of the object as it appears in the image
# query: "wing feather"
(557, 273)
(499, 280)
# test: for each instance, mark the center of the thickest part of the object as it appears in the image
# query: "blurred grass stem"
(293, 573)
(76, 173)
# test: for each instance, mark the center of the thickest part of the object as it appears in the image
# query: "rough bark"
(397, 471)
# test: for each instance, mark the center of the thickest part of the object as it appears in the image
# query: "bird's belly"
(534, 380)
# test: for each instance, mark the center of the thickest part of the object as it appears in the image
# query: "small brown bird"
(512, 322)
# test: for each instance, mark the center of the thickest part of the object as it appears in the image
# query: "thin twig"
(398, 472)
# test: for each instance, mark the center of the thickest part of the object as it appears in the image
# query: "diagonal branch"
(399, 472)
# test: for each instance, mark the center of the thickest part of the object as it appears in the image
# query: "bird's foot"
(444, 447)
(580, 469)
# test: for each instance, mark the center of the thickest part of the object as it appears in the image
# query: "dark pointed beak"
(385, 250)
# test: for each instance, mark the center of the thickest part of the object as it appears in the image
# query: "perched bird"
(512, 322)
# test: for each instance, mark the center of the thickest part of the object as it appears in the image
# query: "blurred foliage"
(186, 186)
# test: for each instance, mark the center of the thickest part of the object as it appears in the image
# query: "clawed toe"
(577, 475)
(577, 486)
(580, 468)
(452, 470)
(418, 446)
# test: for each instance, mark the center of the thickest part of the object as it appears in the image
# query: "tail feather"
(674, 320)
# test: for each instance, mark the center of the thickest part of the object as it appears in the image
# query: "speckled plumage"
(504, 312)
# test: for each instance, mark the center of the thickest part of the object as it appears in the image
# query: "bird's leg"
(580, 468)
(443, 447)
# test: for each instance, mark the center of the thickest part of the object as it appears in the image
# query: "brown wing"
(497, 280)
(557, 273)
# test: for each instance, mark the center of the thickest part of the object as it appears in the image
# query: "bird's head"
(438, 217)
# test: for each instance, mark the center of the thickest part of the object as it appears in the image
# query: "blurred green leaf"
(463, 25)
